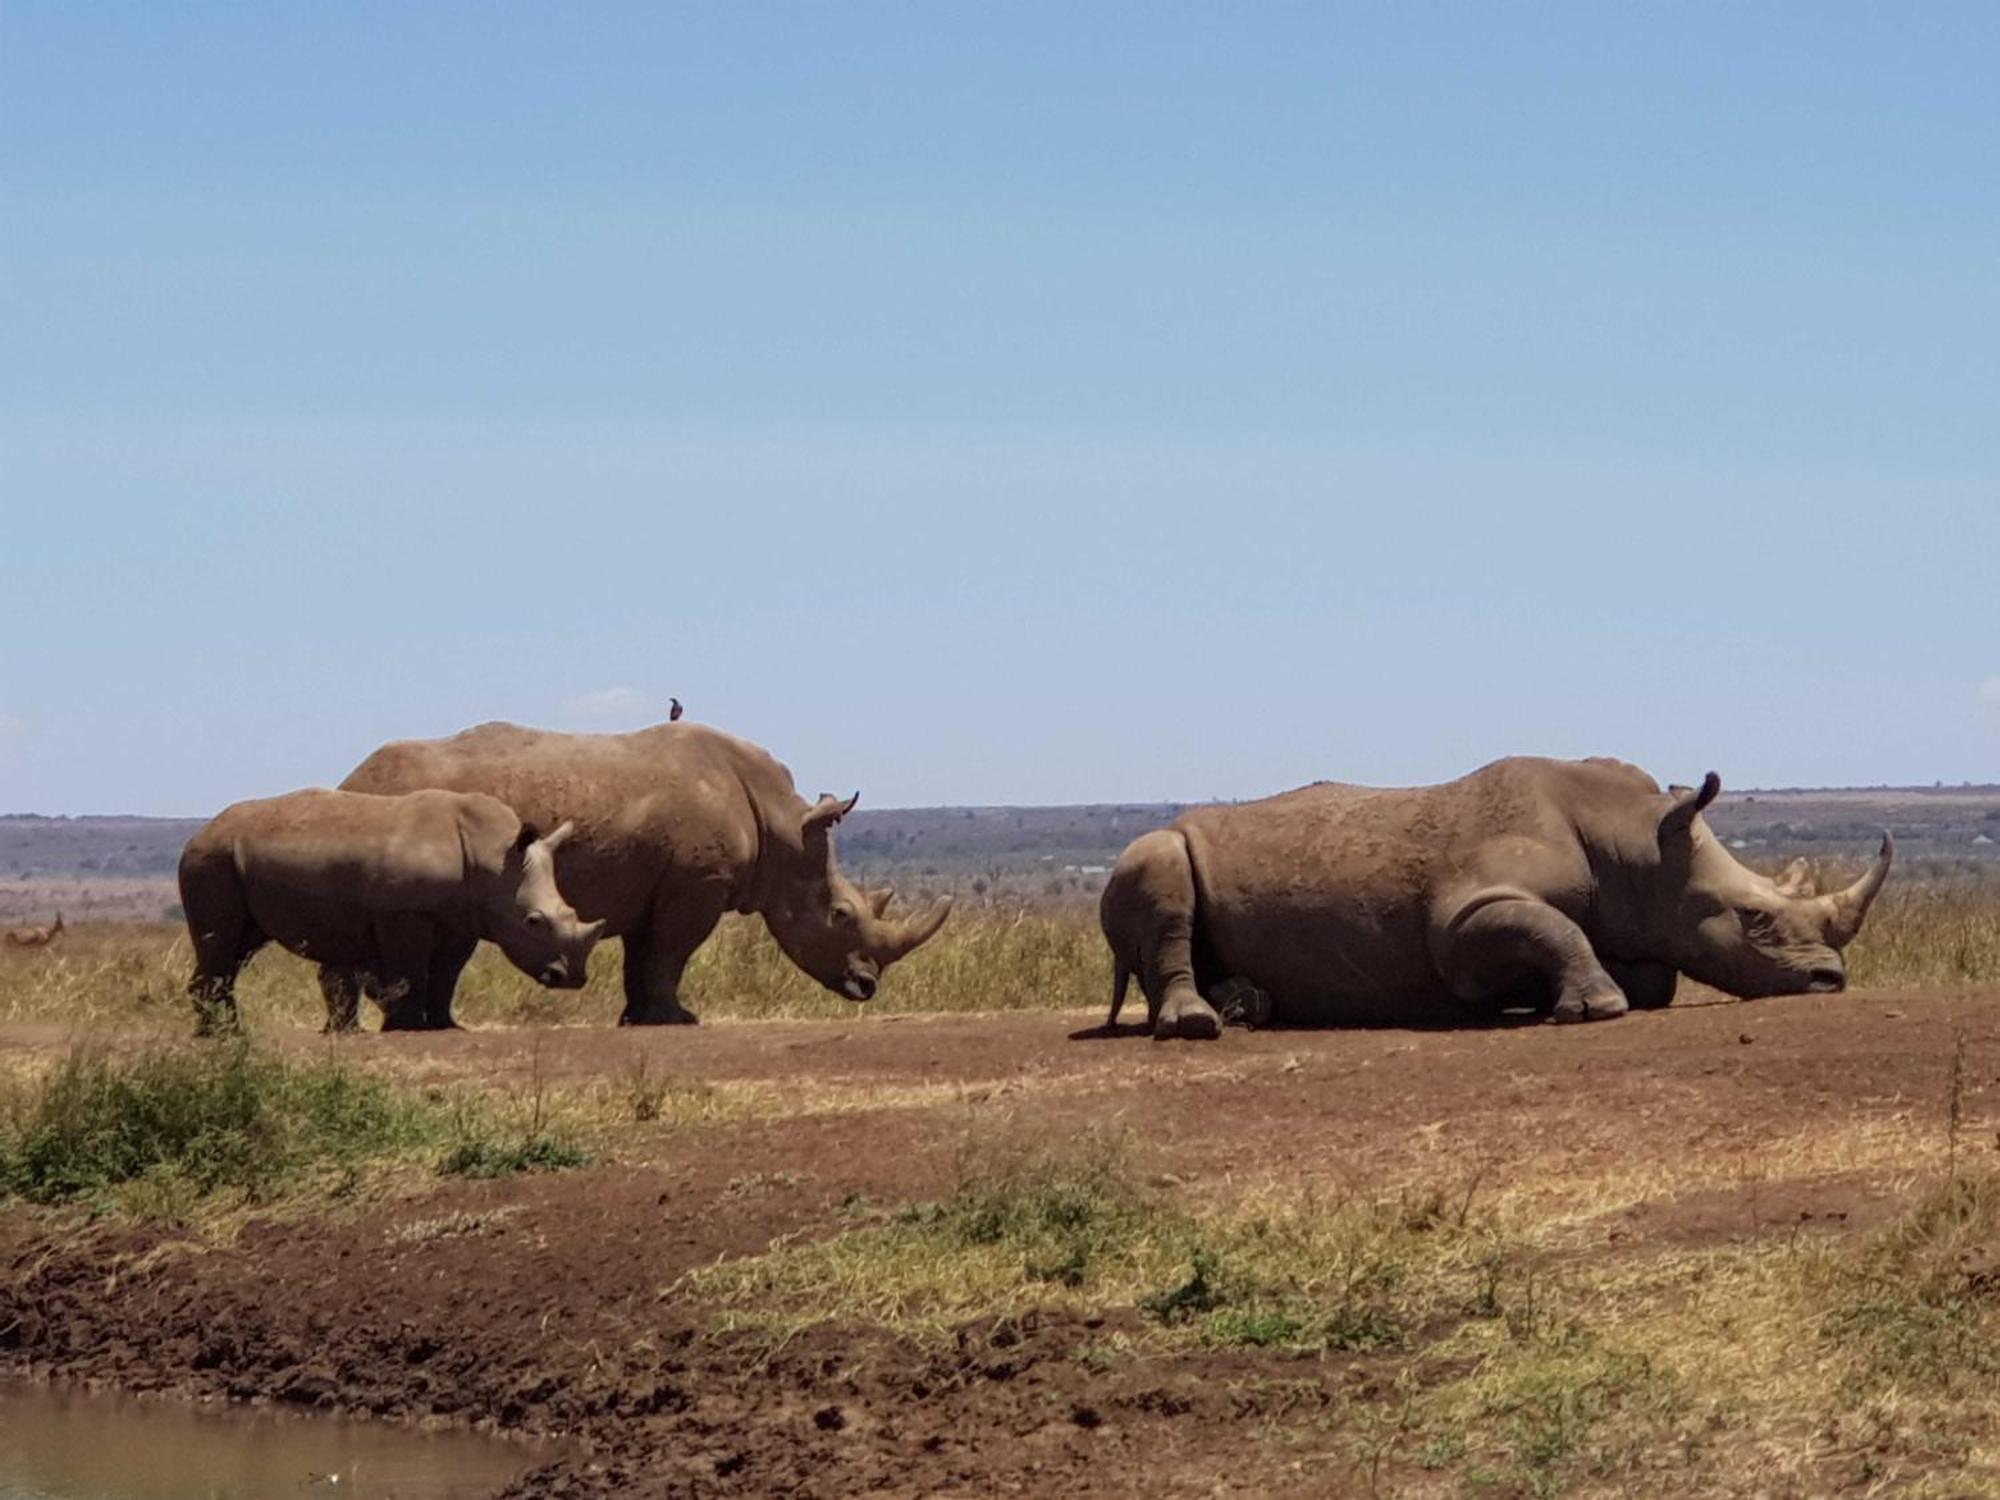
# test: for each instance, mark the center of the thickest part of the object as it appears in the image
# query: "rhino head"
(535, 927)
(1750, 934)
(841, 935)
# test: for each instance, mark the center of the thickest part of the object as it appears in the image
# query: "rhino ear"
(829, 810)
(1677, 821)
(1797, 879)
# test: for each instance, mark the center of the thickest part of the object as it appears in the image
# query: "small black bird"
(673, 709)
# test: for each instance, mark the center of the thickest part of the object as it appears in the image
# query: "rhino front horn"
(1846, 910)
(918, 930)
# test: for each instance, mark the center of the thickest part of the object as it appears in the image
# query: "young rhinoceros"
(374, 888)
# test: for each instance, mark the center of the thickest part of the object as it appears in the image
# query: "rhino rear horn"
(1796, 880)
(1687, 805)
(1846, 910)
(879, 899)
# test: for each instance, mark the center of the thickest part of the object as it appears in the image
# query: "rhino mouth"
(858, 987)
(1826, 982)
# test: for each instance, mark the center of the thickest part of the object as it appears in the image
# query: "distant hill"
(123, 867)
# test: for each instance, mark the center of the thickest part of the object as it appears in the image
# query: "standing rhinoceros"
(676, 825)
(378, 889)
(1576, 885)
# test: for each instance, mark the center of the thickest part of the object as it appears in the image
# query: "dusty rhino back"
(1329, 896)
(1318, 896)
(652, 808)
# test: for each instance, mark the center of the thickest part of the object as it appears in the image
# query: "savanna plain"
(959, 1241)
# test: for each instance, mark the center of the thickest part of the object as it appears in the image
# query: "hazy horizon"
(999, 407)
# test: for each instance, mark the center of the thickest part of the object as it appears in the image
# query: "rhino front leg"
(657, 955)
(341, 989)
(404, 973)
(1493, 943)
(446, 965)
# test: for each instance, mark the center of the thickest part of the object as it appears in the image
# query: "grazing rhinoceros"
(1577, 886)
(675, 825)
(380, 888)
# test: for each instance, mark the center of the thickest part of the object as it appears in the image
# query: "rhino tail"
(1121, 978)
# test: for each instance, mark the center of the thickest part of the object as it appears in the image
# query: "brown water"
(65, 1445)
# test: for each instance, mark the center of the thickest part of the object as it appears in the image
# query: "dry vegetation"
(987, 958)
(1460, 1326)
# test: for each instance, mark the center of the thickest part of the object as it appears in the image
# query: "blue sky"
(1012, 403)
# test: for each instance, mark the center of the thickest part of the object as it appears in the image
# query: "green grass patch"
(1918, 1302)
(1076, 1226)
(196, 1121)
(163, 1133)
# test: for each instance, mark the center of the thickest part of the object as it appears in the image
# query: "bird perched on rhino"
(675, 825)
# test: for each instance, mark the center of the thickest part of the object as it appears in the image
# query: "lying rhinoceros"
(676, 825)
(380, 888)
(1576, 886)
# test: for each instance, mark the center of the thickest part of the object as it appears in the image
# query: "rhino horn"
(1846, 910)
(1796, 880)
(561, 836)
(907, 936)
(878, 900)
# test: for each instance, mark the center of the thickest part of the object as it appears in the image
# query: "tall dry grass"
(985, 959)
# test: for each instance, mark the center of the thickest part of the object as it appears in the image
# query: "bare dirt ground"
(554, 1304)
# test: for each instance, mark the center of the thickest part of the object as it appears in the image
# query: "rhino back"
(655, 810)
(1330, 895)
(317, 868)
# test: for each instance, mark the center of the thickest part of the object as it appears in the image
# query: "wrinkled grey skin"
(375, 889)
(1576, 886)
(675, 825)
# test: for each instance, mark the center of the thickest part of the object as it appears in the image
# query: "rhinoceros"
(676, 825)
(1577, 887)
(380, 888)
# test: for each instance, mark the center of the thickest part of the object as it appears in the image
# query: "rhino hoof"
(1191, 1019)
(1602, 1005)
(666, 1016)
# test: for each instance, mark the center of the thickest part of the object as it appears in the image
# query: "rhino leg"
(1646, 986)
(341, 989)
(657, 955)
(225, 935)
(1494, 942)
(1148, 914)
(446, 965)
(404, 974)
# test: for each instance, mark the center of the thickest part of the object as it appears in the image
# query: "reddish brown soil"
(554, 1319)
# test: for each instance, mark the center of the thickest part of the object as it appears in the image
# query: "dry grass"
(985, 959)
(1501, 1355)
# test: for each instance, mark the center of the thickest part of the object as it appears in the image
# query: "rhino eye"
(844, 914)
(1755, 922)
(537, 920)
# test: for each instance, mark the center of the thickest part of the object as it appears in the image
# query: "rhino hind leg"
(1490, 946)
(225, 936)
(1148, 916)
